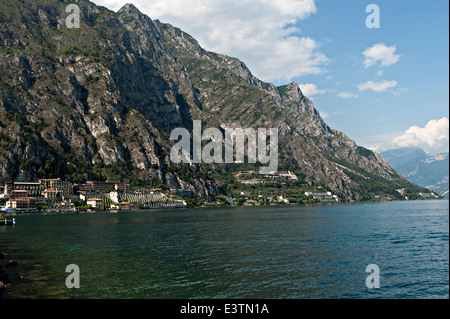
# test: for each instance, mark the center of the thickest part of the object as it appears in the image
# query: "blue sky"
(420, 34)
(320, 44)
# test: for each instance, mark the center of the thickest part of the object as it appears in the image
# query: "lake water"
(301, 252)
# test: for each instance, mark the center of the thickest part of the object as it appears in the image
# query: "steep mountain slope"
(100, 102)
(82, 102)
(417, 166)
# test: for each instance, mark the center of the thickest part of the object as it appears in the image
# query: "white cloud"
(311, 89)
(380, 53)
(347, 95)
(433, 138)
(379, 74)
(258, 32)
(377, 86)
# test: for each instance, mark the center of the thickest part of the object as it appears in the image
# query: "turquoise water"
(302, 252)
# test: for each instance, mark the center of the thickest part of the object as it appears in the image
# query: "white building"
(95, 202)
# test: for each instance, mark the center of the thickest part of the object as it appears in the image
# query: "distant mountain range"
(417, 166)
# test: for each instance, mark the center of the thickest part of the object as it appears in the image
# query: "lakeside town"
(56, 195)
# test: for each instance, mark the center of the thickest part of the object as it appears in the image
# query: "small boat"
(7, 222)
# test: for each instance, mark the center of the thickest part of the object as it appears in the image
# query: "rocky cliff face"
(102, 100)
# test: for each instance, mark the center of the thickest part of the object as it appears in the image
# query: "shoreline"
(8, 279)
(115, 211)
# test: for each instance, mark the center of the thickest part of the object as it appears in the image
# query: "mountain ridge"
(429, 171)
(101, 101)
